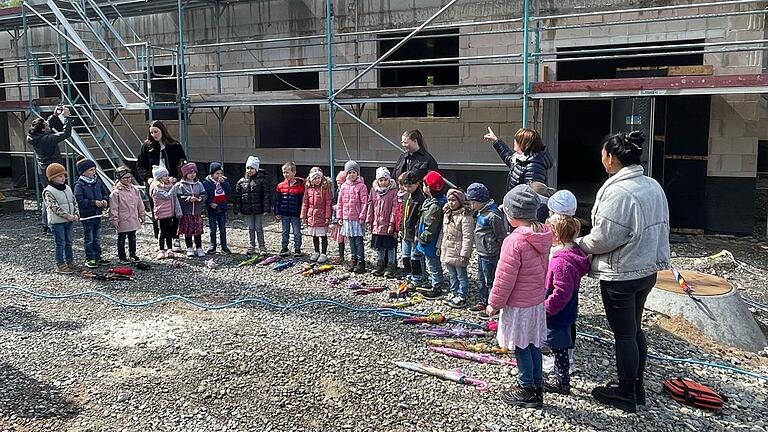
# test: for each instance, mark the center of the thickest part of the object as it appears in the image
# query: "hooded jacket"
(490, 230)
(524, 169)
(430, 225)
(126, 208)
(254, 195)
(381, 208)
(288, 197)
(181, 191)
(458, 237)
(522, 269)
(46, 144)
(87, 194)
(353, 197)
(164, 206)
(209, 184)
(409, 218)
(566, 268)
(317, 205)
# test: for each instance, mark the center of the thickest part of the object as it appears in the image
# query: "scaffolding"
(86, 31)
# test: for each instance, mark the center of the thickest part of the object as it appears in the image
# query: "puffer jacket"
(353, 200)
(126, 208)
(209, 184)
(164, 206)
(317, 205)
(288, 197)
(630, 227)
(522, 269)
(183, 190)
(566, 268)
(87, 194)
(381, 208)
(430, 225)
(253, 195)
(490, 230)
(524, 169)
(409, 219)
(458, 237)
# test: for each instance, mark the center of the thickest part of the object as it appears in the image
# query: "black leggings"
(131, 236)
(624, 302)
(316, 242)
(168, 229)
(198, 241)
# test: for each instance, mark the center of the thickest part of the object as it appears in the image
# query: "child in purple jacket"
(567, 265)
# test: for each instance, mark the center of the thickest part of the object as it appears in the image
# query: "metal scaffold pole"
(183, 100)
(331, 96)
(526, 77)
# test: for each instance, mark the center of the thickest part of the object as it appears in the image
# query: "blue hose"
(383, 312)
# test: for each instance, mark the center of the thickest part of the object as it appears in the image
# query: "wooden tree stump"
(716, 309)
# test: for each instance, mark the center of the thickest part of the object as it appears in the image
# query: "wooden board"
(691, 70)
(703, 284)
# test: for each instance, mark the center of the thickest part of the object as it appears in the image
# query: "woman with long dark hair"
(416, 158)
(628, 244)
(528, 162)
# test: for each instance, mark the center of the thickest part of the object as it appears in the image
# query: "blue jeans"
(62, 235)
(386, 255)
(435, 270)
(459, 280)
(528, 366)
(357, 248)
(486, 271)
(409, 250)
(92, 237)
(291, 223)
(217, 220)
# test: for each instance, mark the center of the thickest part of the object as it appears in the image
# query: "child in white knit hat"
(254, 194)
(382, 222)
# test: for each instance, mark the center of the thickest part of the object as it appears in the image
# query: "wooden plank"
(656, 83)
(703, 284)
(691, 70)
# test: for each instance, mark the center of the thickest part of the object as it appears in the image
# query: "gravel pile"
(88, 365)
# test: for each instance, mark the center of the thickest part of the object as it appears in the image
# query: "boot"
(433, 294)
(352, 265)
(406, 270)
(391, 271)
(379, 271)
(526, 397)
(640, 392)
(360, 267)
(621, 396)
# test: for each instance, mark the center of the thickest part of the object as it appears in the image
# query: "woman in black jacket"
(415, 159)
(528, 162)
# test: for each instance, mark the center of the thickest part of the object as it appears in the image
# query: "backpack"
(688, 392)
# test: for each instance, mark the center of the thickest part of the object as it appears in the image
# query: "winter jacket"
(524, 169)
(420, 163)
(409, 220)
(183, 190)
(490, 230)
(210, 190)
(522, 269)
(317, 205)
(289, 197)
(398, 210)
(253, 195)
(164, 206)
(87, 194)
(173, 155)
(630, 227)
(381, 208)
(430, 225)
(46, 144)
(566, 268)
(458, 237)
(60, 203)
(126, 208)
(353, 198)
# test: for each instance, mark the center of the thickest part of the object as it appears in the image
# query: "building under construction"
(322, 81)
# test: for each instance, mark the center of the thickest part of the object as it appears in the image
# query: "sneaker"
(64, 269)
(133, 259)
(200, 252)
(297, 254)
(284, 253)
(449, 298)
(551, 385)
(91, 263)
(457, 303)
(74, 266)
(177, 246)
(522, 396)
(103, 262)
(225, 250)
(322, 258)
(314, 256)
(123, 260)
(263, 250)
(617, 395)
(190, 252)
(161, 255)
(433, 294)
(337, 260)
(391, 271)
(360, 267)
(211, 250)
(46, 230)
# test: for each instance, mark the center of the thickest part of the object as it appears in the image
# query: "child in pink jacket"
(163, 210)
(126, 213)
(518, 292)
(382, 222)
(353, 197)
(316, 212)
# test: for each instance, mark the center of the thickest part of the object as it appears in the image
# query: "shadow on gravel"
(20, 319)
(23, 396)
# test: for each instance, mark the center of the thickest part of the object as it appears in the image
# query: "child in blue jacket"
(92, 198)
(217, 188)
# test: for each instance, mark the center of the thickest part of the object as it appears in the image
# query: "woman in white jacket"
(629, 243)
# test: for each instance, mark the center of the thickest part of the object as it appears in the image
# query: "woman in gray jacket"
(629, 243)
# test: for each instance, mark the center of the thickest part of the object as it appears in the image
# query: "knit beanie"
(521, 202)
(314, 173)
(434, 181)
(563, 202)
(478, 192)
(54, 170)
(188, 168)
(341, 177)
(253, 162)
(352, 166)
(214, 166)
(383, 172)
(84, 165)
(158, 172)
(121, 172)
(460, 197)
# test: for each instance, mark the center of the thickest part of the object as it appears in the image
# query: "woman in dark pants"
(629, 243)
(161, 149)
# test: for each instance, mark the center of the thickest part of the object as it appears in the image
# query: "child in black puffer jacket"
(253, 197)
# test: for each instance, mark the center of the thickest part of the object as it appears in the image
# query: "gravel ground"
(88, 365)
